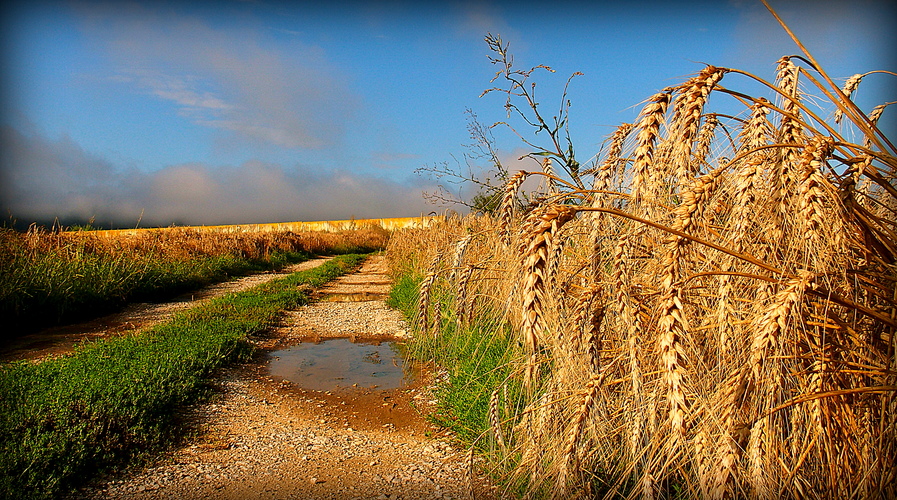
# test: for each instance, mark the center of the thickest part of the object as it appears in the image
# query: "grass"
(476, 361)
(63, 420)
(696, 314)
(48, 278)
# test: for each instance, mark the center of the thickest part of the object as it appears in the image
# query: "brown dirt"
(263, 437)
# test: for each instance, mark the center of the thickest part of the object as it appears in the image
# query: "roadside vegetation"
(706, 309)
(48, 278)
(64, 420)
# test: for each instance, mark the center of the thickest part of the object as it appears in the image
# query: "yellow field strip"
(326, 226)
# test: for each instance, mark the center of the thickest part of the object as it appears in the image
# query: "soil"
(260, 436)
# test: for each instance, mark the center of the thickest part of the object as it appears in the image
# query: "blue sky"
(257, 111)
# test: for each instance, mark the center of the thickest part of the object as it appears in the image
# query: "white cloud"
(42, 178)
(236, 79)
(480, 18)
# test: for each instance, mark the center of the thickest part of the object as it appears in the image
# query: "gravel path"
(263, 437)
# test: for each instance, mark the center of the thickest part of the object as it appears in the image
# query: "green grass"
(476, 358)
(47, 288)
(63, 420)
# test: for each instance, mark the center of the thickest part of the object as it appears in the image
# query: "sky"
(250, 111)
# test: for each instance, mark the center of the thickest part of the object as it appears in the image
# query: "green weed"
(476, 359)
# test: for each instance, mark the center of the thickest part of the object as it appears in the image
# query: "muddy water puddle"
(336, 364)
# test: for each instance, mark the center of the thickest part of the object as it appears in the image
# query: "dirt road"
(265, 437)
(60, 340)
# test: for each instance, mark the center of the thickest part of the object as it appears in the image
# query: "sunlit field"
(49, 277)
(700, 303)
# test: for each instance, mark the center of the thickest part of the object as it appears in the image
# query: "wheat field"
(713, 316)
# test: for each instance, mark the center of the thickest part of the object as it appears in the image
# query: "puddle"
(353, 297)
(339, 364)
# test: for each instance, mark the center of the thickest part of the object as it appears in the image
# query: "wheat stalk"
(758, 319)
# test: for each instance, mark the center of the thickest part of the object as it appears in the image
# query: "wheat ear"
(554, 261)
(687, 118)
(874, 115)
(747, 184)
(460, 250)
(587, 324)
(463, 303)
(610, 167)
(494, 420)
(816, 227)
(542, 228)
(756, 132)
(549, 175)
(570, 459)
(672, 324)
(651, 118)
(758, 454)
(849, 87)
(508, 200)
(702, 462)
(705, 139)
(423, 305)
(790, 128)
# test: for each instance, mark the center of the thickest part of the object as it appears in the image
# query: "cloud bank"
(42, 179)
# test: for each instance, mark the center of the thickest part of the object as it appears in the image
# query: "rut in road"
(264, 437)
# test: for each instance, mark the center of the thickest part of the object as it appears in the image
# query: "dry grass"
(715, 319)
